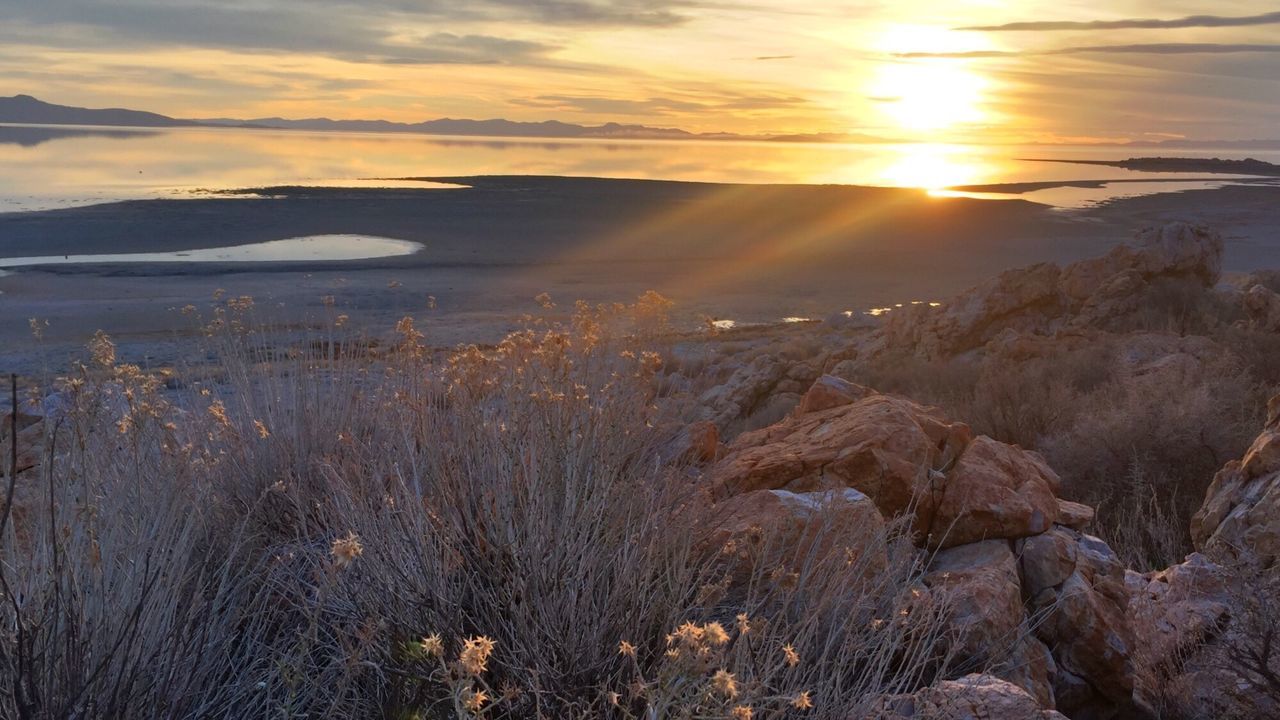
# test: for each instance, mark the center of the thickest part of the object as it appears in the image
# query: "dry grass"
(343, 528)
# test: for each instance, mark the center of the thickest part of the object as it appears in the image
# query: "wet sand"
(746, 252)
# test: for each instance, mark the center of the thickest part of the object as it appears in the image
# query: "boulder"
(793, 526)
(1074, 515)
(972, 697)
(888, 448)
(994, 491)
(1175, 612)
(830, 391)
(1018, 299)
(738, 396)
(1075, 590)
(1263, 308)
(1239, 520)
(978, 586)
(1042, 299)
(905, 457)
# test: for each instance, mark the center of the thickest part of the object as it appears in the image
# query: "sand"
(744, 252)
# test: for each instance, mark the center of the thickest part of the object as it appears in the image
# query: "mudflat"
(751, 253)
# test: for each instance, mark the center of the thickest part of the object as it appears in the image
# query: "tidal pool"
(314, 247)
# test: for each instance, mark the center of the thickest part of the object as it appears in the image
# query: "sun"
(931, 94)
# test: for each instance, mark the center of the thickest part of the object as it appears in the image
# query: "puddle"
(315, 247)
(1068, 197)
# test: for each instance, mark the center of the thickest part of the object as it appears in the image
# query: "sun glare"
(933, 94)
(932, 167)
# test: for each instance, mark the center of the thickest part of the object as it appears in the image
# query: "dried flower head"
(725, 683)
(474, 657)
(102, 350)
(791, 656)
(714, 634)
(626, 649)
(474, 700)
(802, 701)
(432, 645)
(261, 429)
(742, 712)
(345, 550)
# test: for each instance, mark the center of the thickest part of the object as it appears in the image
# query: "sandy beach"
(751, 253)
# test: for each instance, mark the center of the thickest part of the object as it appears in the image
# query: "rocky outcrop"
(1176, 612)
(1043, 299)
(1262, 306)
(1074, 586)
(972, 697)
(1040, 603)
(797, 525)
(1239, 521)
(905, 457)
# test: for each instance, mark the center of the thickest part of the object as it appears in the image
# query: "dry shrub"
(334, 527)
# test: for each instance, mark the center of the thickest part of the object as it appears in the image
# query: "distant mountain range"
(29, 110)
(24, 109)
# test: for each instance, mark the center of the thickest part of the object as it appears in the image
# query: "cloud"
(775, 57)
(657, 106)
(373, 31)
(310, 28)
(1144, 48)
(1191, 21)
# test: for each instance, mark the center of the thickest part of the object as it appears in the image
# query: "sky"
(958, 71)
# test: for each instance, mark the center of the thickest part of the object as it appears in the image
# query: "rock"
(994, 491)
(1074, 515)
(1175, 612)
(1263, 308)
(1044, 300)
(1239, 520)
(743, 391)
(1181, 249)
(852, 320)
(1014, 299)
(972, 697)
(978, 584)
(889, 448)
(905, 457)
(1083, 618)
(797, 526)
(830, 391)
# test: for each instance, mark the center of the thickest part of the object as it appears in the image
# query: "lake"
(48, 167)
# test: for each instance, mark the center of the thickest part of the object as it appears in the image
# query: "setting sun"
(929, 94)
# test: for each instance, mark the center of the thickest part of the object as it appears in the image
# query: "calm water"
(55, 167)
(316, 247)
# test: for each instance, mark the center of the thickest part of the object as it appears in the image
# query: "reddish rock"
(1084, 620)
(889, 448)
(830, 391)
(978, 586)
(795, 526)
(994, 491)
(1074, 515)
(972, 697)
(1239, 520)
